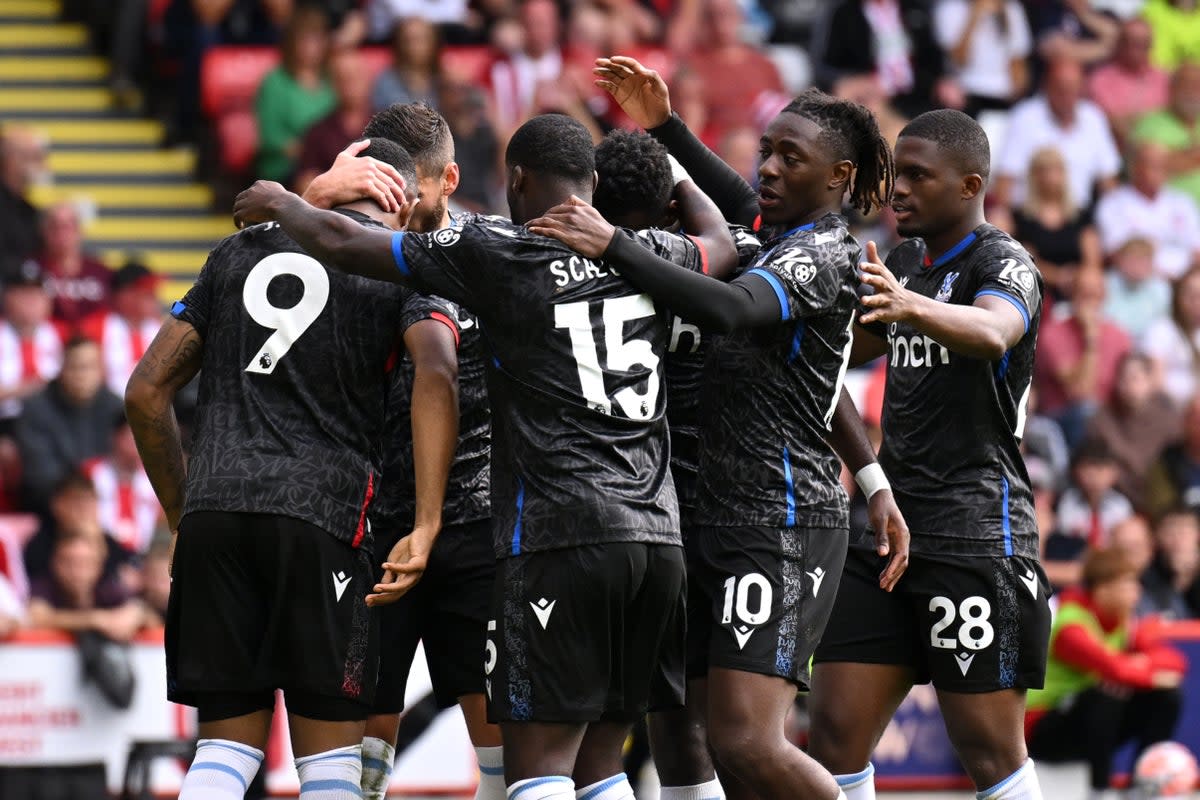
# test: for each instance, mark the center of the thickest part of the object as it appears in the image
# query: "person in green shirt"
(1178, 128)
(1107, 682)
(1176, 28)
(294, 95)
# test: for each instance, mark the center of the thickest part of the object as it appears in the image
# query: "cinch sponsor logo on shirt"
(915, 351)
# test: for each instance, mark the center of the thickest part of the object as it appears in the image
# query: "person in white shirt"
(1174, 342)
(1058, 116)
(1147, 208)
(382, 15)
(989, 42)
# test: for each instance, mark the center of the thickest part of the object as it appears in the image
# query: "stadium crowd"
(1094, 113)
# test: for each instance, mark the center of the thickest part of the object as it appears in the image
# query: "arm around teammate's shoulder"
(703, 222)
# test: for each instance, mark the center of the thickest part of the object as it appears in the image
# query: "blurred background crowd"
(1093, 109)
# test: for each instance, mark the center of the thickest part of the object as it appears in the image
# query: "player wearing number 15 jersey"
(274, 557)
(588, 609)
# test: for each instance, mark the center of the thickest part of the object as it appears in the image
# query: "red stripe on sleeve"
(703, 253)
(449, 323)
(757, 224)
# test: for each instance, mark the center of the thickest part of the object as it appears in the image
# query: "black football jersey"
(575, 379)
(293, 383)
(684, 376)
(468, 490)
(952, 424)
(770, 392)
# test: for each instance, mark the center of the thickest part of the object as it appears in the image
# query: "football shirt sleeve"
(417, 307)
(450, 263)
(196, 306)
(802, 286)
(680, 249)
(1010, 274)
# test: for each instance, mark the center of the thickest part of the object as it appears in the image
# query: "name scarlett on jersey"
(578, 268)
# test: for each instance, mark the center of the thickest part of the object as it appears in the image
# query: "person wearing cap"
(78, 283)
(30, 344)
(126, 329)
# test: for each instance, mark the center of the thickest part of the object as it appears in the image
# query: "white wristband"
(870, 479)
(678, 173)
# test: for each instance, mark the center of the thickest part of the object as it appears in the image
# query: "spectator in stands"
(76, 596)
(1059, 116)
(11, 482)
(1136, 425)
(156, 580)
(1060, 554)
(1147, 207)
(1175, 480)
(125, 331)
(739, 149)
(67, 423)
(1177, 127)
(1044, 440)
(129, 509)
(688, 100)
(75, 513)
(294, 95)
(415, 69)
(384, 15)
(1174, 341)
(1129, 85)
(22, 163)
(1073, 30)
(1172, 582)
(1078, 354)
(1135, 539)
(516, 78)
(1091, 505)
(12, 610)
(30, 345)
(1136, 295)
(79, 284)
(1053, 226)
(476, 148)
(1107, 682)
(989, 43)
(1176, 25)
(344, 124)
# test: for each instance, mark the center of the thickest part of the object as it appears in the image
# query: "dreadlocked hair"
(851, 133)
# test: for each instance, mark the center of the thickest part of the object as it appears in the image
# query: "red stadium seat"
(229, 77)
(468, 62)
(375, 61)
(237, 136)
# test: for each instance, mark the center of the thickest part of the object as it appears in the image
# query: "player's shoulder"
(827, 236)
(994, 249)
(907, 257)
(250, 245)
(746, 243)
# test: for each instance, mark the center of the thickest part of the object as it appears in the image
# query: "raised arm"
(333, 239)
(643, 95)
(703, 221)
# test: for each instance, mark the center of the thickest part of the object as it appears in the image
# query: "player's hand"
(404, 567)
(891, 536)
(890, 302)
(257, 204)
(352, 178)
(577, 225)
(641, 92)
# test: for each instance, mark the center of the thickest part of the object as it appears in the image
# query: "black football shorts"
(588, 633)
(759, 597)
(967, 624)
(448, 610)
(262, 602)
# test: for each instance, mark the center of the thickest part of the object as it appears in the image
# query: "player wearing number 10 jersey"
(274, 557)
(588, 610)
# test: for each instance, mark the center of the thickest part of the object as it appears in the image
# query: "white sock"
(615, 788)
(491, 773)
(378, 757)
(860, 785)
(332, 775)
(552, 787)
(712, 790)
(1021, 785)
(222, 769)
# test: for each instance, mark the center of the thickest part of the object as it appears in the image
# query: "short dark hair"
(959, 136)
(635, 175)
(74, 481)
(553, 144)
(389, 152)
(1093, 451)
(420, 130)
(851, 133)
(76, 341)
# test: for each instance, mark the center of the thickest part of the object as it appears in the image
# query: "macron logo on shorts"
(340, 581)
(543, 609)
(1031, 582)
(817, 575)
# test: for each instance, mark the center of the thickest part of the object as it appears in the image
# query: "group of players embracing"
(595, 449)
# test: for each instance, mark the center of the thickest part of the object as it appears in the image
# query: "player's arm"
(986, 329)
(352, 178)
(172, 360)
(333, 239)
(643, 95)
(748, 301)
(848, 438)
(433, 347)
(701, 220)
(868, 345)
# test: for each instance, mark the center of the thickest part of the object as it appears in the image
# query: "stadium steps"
(144, 198)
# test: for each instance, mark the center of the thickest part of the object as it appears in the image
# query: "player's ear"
(595, 180)
(671, 215)
(972, 185)
(516, 179)
(839, 175)
(450, 179)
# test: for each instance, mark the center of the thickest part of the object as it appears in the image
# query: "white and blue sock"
(222, 769)
(860, 785)
(712, 790)
(552, 787)
(378, 757)
(615, 788)
(1021, 785)
(332, 775)
(491, 773)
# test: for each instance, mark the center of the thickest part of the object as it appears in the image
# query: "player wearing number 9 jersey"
(274, 557)
(588, 610)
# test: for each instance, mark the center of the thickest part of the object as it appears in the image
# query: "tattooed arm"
(172, 360)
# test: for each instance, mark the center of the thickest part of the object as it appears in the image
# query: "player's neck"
(942, 242)
(369, 208)
(540, 199)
